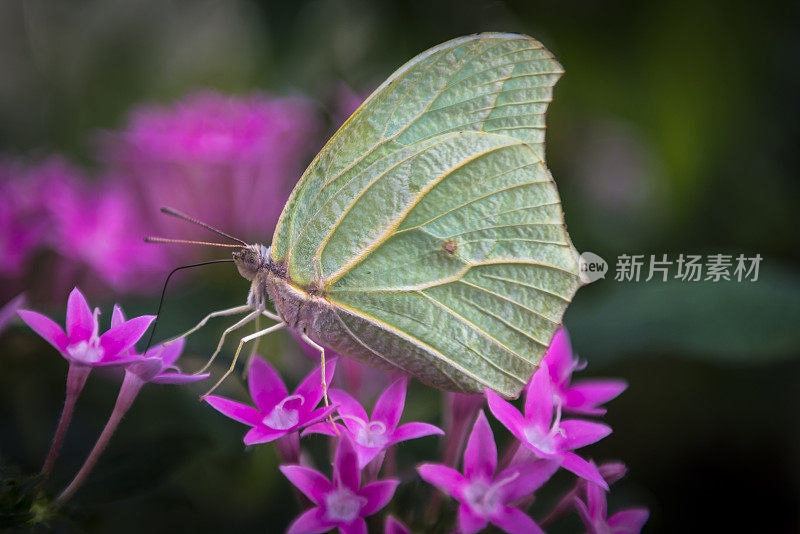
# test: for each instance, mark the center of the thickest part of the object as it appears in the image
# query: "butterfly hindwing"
(431, 211)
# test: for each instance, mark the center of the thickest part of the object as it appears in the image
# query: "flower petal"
(146, 368)
(515, 521)
(468, 521)
(9, 309)
(348, 408)
(378, 495)
(168, 353)
(357, 526)
(265, 384)
(262, 434)
(80, 321)
(526, 478)
(389, 406)
(345, 464)
(45, 327)
(124, 336)
(445, 478)
(505, 412)
(178, 378)
(326, 427)
(312, 483)
(414, 431)
(539, 399)
(574, 463)
(316, 416)
(393, 526)
(235, 410)
(311, 522)
(585, 515)
(116, 361)
(612, 471)
(587, 395)
(596, 501)
(117, 316)
(480, 456)
(311, 387)
(559, 358)
(629, 521)
(578, 433)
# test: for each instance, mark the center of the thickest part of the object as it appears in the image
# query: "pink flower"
(543, 432)
(99, 227)
(82, 343)
(342, 502)
(276, 413)
(371, 436)
(583, 397)
(24, 221)
(483, 494)
(157, 365)
(228, 160)
(593, 514)
(83, 347)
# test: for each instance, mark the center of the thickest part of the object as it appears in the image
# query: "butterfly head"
(252, 260)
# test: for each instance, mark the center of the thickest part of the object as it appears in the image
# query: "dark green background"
(674, 130)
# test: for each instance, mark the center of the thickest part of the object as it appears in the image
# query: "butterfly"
(427, 236)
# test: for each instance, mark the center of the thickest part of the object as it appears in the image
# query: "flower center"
(372, 434)
(342, 505)
(286, 414)
(545, 442)
(483, 498)
(86, 351)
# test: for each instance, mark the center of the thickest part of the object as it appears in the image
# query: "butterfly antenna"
(188, 242)
(180, 215)
(164, 292)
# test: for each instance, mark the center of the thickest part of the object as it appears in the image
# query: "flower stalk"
(76, 379)
(127, 394)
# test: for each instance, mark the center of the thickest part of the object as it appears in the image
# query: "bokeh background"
(674, 130)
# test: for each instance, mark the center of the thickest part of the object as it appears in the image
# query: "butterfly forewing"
(431, 212)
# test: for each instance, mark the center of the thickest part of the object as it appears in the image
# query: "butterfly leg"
(244, 340)
(250, 317)
(321, 350)
(220, 313)
(271, 315)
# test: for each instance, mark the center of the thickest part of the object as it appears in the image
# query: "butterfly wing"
(431, 211)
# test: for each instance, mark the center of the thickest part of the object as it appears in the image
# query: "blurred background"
(675, 130)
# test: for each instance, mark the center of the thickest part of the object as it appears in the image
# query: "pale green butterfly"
(427, 236)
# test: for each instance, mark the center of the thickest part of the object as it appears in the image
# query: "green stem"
(127, 393)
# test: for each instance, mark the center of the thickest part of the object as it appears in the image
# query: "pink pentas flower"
(276, 413)
(24, 221)
(582, 397)
(484, 494)
(228, 160)
(82, 343)
(84, 348)
(373, 435)
(157, 365)
(593, 513)
(340, 502)
(99, 228)
(543, 432)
